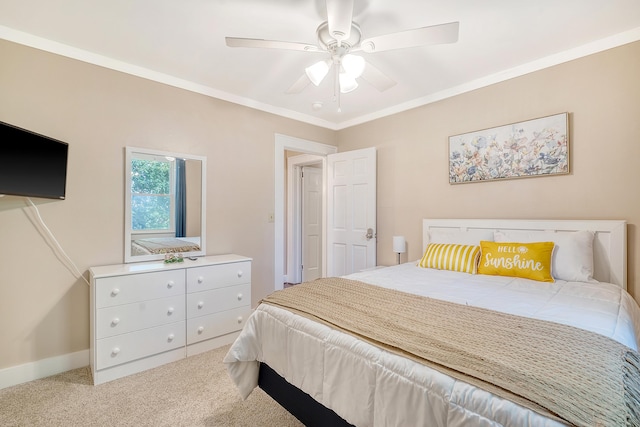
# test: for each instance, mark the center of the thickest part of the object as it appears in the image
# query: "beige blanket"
(565, 373)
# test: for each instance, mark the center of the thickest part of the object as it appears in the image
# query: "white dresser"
(143, 315)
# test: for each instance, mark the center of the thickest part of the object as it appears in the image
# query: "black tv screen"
(32, 165)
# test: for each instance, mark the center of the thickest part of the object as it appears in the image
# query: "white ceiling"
(181, 42)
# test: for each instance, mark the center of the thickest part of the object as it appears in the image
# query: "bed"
(327, 374)
(164, 245)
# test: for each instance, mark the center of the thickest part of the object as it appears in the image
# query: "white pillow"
(573, 256)
(459, 237)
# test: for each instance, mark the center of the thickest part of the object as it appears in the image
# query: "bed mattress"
(384, 389)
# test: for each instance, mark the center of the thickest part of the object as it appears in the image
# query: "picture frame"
(532, 148)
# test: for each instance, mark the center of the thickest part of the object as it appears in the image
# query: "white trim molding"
(46, 45)
(283, 143)
(15, 375)
(62, 49)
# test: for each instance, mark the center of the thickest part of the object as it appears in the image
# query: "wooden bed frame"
(610, 265)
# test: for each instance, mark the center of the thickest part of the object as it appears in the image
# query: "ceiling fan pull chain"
(336, 84)
(338, 36)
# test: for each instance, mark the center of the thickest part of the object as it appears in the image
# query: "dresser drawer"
(213, 301)
(124, 348)
(130, 288)
(121, 319)
(211, 326)
(218, 276)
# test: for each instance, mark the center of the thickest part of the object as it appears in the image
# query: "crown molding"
(41, 43)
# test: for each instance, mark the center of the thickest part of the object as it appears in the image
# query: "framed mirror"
(164, 206)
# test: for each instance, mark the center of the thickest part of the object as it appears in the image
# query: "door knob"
(370, 234)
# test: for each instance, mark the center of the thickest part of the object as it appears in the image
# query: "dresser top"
(146, 267)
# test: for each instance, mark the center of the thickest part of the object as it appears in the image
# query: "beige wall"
(98, 112)
(602, 95)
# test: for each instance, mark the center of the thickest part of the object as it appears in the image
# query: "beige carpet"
(195, 391)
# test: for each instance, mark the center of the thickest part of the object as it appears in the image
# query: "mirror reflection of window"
(152, 194)
(164, 204)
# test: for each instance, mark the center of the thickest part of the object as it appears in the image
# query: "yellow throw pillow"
(444, 256)
(526, 260)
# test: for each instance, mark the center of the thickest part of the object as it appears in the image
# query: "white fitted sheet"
(368, 386)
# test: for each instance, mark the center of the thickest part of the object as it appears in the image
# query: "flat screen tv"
(32, 165)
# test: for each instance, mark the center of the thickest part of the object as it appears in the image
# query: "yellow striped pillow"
(445, 256)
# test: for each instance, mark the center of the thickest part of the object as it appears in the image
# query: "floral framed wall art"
(537, 147)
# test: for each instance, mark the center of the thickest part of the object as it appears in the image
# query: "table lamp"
(399, 246)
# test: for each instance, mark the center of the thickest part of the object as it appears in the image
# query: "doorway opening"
(285, 143)
(305, 206)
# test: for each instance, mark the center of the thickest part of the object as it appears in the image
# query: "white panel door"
(311, 223)
(351, 211)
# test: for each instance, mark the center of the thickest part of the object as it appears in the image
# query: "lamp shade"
(317, 72)
(347, 83)
(353, 65)
(399, 244)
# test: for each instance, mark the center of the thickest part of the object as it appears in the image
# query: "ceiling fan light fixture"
(317, 72)
(347, 83)
(338, 36)
(353, 65)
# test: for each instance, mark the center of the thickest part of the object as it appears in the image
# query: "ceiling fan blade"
(377, 78)
(339, 17)
(435, 34)
(299, 85)
(270, 44)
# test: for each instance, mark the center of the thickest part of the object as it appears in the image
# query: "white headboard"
(609, 245)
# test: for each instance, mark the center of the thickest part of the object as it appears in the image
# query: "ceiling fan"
(340, 37)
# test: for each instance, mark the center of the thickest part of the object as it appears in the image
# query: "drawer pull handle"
(239, 273)
(170, 311)
(200, 279)
(170, 337)
(200, 304)
(201, 329)
(115, 351)
(115, 292)
(239, 319)
(115, 321)
(239, 297)
(170, 284)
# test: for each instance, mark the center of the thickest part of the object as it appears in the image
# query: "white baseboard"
(42, 368)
